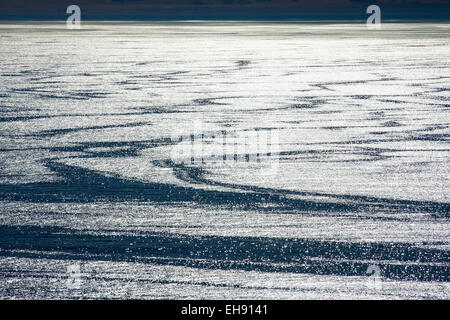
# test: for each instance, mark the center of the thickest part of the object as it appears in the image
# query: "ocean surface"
(104, 193)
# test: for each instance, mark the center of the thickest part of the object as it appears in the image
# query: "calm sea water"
(351, 200)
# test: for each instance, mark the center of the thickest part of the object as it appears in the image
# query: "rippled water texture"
(93, 205)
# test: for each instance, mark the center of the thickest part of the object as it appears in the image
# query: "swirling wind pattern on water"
(350, 199)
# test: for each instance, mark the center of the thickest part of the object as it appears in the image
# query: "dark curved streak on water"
(243, 253)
